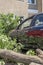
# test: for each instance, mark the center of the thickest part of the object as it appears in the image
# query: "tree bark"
(10, 63)
(34, 64)
(13, 56)
(39, 53)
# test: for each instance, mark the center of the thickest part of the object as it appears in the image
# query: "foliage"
(6, 42)
(8, 22)
(31, 41)
(30, 52)
(18, 47)
(2, 62)
(36, 40)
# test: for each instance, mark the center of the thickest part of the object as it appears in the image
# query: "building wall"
(14, 6)
(39, 2)
(42, 5)
(19, 7)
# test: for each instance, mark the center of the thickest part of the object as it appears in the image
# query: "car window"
(39, 20)
(26, 24)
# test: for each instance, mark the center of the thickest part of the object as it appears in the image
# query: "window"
(39, 20)
(32, 1)
(25, 24)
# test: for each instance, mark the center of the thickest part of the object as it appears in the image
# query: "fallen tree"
(13, 56)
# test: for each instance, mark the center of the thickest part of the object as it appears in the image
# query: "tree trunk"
(13, 56)
(10, 63)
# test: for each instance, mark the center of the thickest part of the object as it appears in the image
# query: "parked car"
(32, 26)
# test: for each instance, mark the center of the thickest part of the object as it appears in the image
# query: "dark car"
(32, 26)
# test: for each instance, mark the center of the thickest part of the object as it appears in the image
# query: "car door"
(36, 27)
